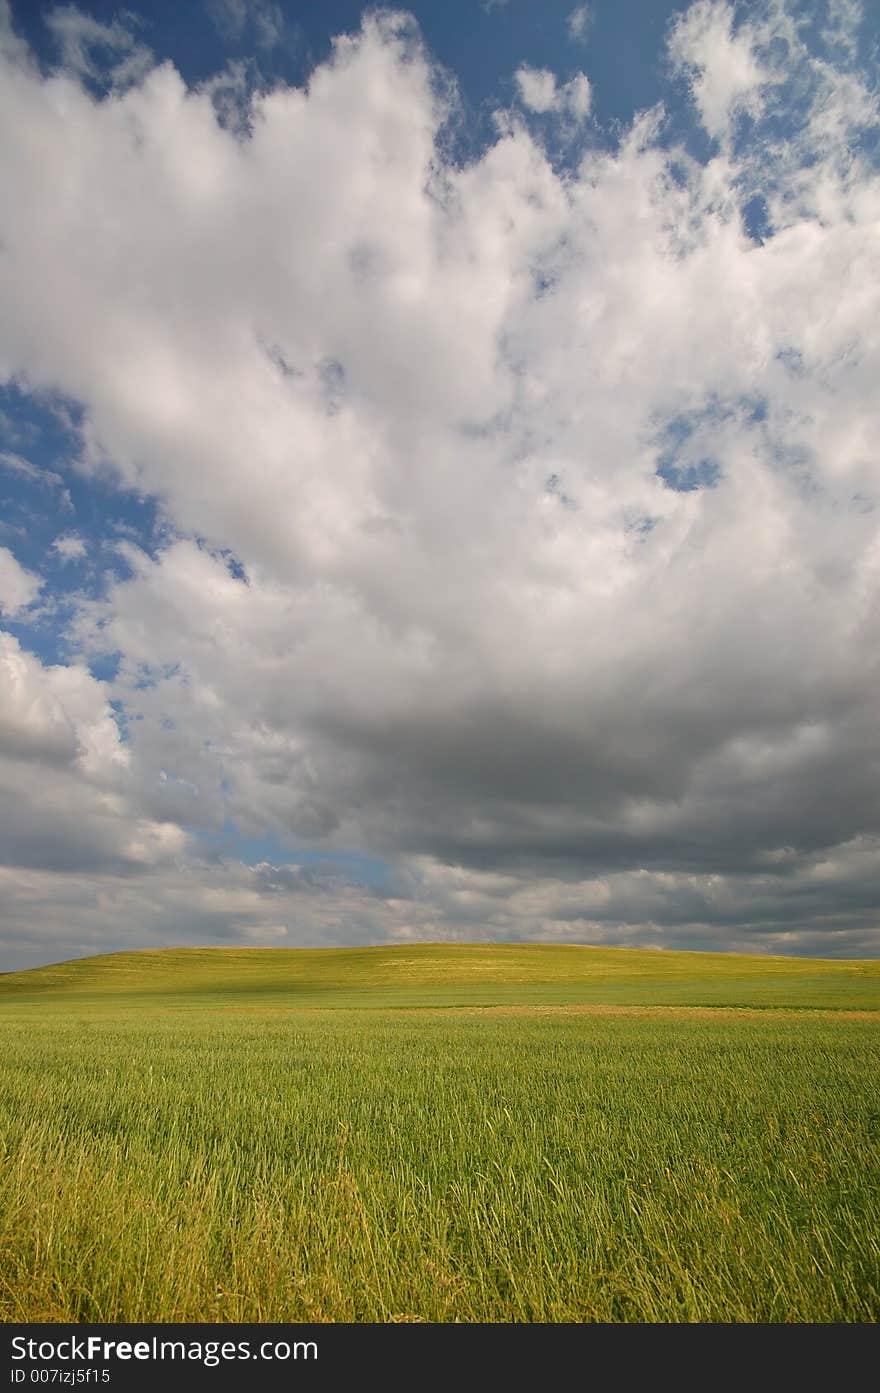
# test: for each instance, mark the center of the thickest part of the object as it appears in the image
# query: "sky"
(439, 475)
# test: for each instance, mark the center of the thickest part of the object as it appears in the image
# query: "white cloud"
(44, 478)
(537, 88)
(68, 798)
(539, 92)
(56, 714)
(472, 629)
(578, 23)
(85, 44)
(229, 16)
(18, 587)
(726, 75)
(841, 31)
(70, 547)
(233, 18)
(577, 96)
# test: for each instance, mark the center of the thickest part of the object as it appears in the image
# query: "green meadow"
(440, 1133)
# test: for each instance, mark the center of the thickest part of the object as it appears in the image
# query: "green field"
(440, 1133)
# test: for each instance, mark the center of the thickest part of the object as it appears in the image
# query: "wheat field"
(442, 1133)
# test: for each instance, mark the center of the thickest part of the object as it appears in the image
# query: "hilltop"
(444, 974)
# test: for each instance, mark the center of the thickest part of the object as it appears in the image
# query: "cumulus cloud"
(70, 547)
(68, 802)
(725, 72)
(18, 587)
(521, 521)
(539, 92)
(537, 88)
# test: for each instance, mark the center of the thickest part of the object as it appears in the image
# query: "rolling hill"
(449, 975)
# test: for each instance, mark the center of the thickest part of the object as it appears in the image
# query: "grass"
(443, 974)
(220, 1135)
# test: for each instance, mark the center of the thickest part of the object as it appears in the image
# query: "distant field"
(443, 974)
(577, 1135)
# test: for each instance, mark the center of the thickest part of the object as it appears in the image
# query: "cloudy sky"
(440, 474)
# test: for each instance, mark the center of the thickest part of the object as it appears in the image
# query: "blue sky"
(481, 44)
(438, 475)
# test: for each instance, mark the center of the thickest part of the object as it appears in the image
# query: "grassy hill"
(449, 975)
